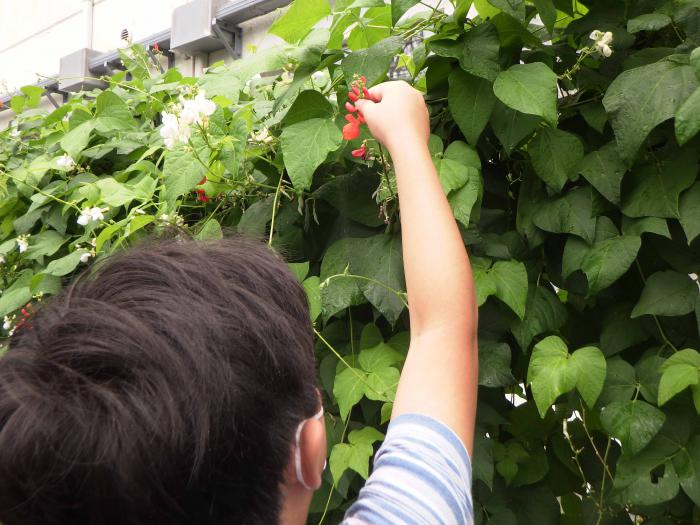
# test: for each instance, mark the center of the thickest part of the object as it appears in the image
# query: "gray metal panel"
(243, 10)
(73, 70)
(101, 64)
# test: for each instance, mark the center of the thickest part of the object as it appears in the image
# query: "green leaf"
(572, 213)
(77, 139)
(510, 278)
(595, 116)
(462, 201)
(308, 104)
(609, 260)
(453, 175)
(678, 372)
(113, 193)
(64, 265)
(112, 113)
(514, 8)
(555, 156)
(688, 118)
(667, 293)
(210, 231)
(550, 373)
(636, 227)
(639, 480)
(378, 260)
(687, 464)
(494, 364)
(313, 296)
(226, 84)
(654, 190)
(529, 88)
(689, 210)
(512, 127)
(547, 12)
(640, 99)
(471, 101)
(479, 56)
(46, 243)
(373, 62)
(354, 455)
(544, 314)
(305, 145)
(591, 372)
(619, 331)
(648, 22)
(181, 171)
(634, 423)
(300, 270)
(399, 8)
(299, 19)
(620, 381)
(604, 169)
(348, 389)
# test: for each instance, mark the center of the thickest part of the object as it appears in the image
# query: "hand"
(397, 116)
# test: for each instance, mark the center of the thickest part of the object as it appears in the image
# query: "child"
(178, 385)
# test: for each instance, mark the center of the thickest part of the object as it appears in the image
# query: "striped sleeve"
(422, 476)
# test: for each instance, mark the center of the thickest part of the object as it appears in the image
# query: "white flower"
(14, 133)
(2, 259)
(319, 77)
(263, 136)
(174, 130)
(85, 257)
(65, 161)
(602, 42)
(7, 324)
(197, 109)
(89, 215)
(22, 243)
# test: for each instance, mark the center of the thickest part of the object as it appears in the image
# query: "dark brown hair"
(164, 387)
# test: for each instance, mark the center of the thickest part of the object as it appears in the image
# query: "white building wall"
(35, 34)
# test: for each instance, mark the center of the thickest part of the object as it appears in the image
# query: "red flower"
(351, 130)
(202, 196)
(204, 179)
(352, 96)
(156, 48)
(349, 107)
(360, 152)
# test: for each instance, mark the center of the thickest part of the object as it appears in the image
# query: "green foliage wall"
(565, 136)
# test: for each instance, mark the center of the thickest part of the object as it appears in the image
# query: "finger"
(377, 92)
(364, 105)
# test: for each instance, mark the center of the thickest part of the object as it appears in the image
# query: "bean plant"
(565, 136)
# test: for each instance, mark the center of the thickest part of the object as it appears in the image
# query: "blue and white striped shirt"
(422, 476)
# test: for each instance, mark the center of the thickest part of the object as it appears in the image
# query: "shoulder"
(422, 475)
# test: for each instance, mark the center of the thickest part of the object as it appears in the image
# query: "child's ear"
(312, 450)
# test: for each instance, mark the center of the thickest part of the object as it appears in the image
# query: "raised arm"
(439, 378)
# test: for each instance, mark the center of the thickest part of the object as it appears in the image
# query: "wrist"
(401, 144)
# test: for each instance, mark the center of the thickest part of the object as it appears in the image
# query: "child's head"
(166, 387)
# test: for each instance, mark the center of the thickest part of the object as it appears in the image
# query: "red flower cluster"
(201, 194)
(351, 130)
(27, 311)
(156, 48)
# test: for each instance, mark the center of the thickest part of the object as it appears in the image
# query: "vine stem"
(42, 192)
(275, 203)
(597, 453)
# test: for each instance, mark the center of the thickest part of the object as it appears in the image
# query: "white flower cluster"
(262, 137)
(87, 251)
(176, 125)
(175, 219)
(602, 42)
(65, 161)
(22, 243)
(8, 323)
(89, 215)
